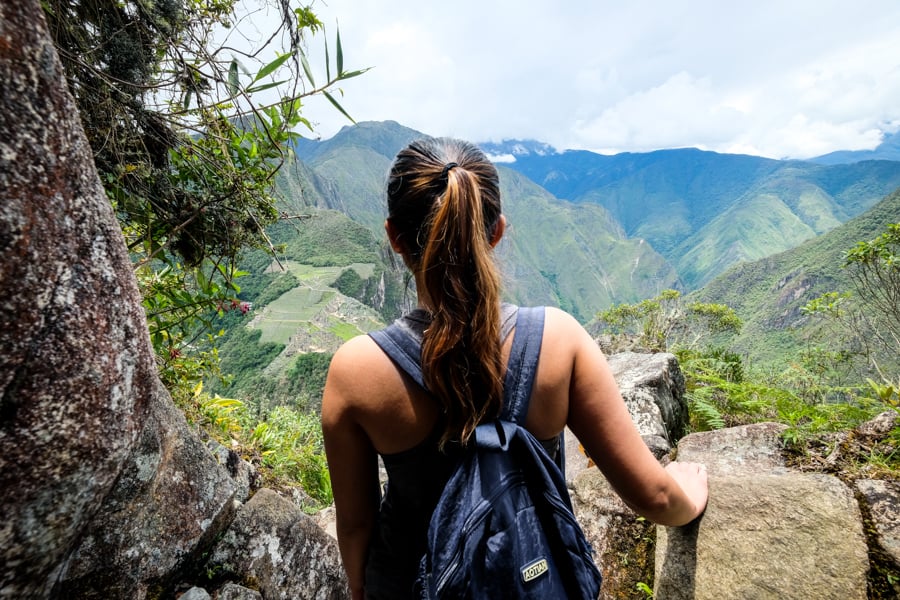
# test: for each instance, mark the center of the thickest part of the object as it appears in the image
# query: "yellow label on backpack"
(535, 570)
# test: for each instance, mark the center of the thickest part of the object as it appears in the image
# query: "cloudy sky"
(777, 78)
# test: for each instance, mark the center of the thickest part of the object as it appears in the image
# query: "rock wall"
(769, 530)
(104, 489)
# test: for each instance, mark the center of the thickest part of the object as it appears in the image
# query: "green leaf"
(187, 99)
(233, 83)
(338, 106)
(340, 54)
(265, 86)
(306, 69)
(327, 62)
(271, 67)
(350, 74)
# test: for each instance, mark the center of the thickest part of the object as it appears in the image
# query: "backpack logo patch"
(535, 570)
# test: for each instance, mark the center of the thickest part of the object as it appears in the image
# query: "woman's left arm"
(352, 463)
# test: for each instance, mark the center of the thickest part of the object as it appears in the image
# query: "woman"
(444, 219)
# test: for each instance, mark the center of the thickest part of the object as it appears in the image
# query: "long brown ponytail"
(444, 204)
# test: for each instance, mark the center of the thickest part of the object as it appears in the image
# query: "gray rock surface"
(765, 529)
(233, 591)
(76, 371)
(171, 500)
(274, 544)
(882, 499)
(653, 388)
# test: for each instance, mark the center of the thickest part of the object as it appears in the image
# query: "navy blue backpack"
(504, 526)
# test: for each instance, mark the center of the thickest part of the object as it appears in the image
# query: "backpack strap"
(402, 348)
(522, 366)
(406, 352)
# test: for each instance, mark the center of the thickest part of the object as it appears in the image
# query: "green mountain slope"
(331, 282)
(574, 256)
(692, 206)
(769, 293)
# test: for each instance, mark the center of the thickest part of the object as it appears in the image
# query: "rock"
(737, 450)
(576, 460)
(882, 501)
(195, 593)
(232, 591)
(326, 519)
(765, 528)
(881, 425)
(76, 368)
(274, 544)
(171, 501)
(653, 388)
(622, 543)
(245, 475)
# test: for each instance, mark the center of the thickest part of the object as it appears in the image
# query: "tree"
(860, 330)
(189, 120)
(666, 321)
(874, 270)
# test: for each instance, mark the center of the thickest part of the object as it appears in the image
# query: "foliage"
(286, 444)
(666, 321)
(874, 270)
(188, 131)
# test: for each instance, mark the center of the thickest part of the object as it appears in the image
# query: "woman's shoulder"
(358, 353)
(556, 319)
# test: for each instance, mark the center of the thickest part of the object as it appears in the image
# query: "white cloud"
(775, 78)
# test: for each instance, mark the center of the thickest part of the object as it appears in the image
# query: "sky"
(774, 78)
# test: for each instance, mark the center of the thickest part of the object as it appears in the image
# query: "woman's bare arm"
(599, 419)
(352, 463)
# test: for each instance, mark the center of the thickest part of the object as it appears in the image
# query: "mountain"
(769, 293)
(585, 231)
(556, 252)
(888, 149)
(705, 211)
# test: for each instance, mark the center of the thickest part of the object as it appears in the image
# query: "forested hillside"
(769, 293)
(630, 226)
(705, 211)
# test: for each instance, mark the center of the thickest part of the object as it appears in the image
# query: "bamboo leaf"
(265, 86)
(350, 74)
(306, 69)
(327, 62)
(271, 67)
(340, 54)
(338, 106)
(233, 83)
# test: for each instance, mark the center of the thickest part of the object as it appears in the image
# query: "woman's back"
(397, 414)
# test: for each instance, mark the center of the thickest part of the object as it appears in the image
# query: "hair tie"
(447, 168)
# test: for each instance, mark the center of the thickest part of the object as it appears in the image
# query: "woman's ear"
(393, 236)
(499, 229)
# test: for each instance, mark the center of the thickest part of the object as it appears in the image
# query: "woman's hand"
(694, 481)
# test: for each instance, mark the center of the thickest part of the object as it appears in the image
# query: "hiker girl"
(444, 219)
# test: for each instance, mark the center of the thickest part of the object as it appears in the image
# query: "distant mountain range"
(703, 212)
(586, 231)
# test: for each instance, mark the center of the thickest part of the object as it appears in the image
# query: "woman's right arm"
(352, 461)
(598, 417)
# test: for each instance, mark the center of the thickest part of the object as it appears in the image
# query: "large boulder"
(76, 369)
(281, 550)
(767, 532)
(653, 388)
(171, 501)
